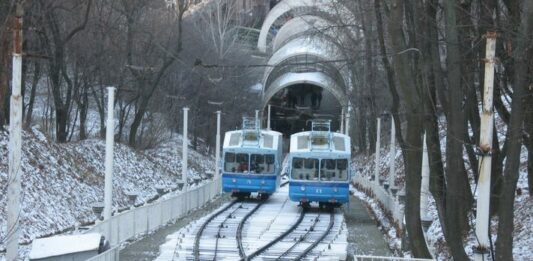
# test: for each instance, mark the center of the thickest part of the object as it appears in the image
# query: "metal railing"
(387, 258)
(142, 220)
(109, 255)
(388, 201)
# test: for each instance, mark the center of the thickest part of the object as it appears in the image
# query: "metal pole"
(378, 141)
(217, 150)
(342, 120)
(109, 140)
(15, 143)
(392, 156)
(185, 150)
(485, 144)
(256, 118)
(425, 182)
(347, 125)
(268, 119)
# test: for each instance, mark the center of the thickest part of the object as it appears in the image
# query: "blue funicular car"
(319, 166)
(252, 160)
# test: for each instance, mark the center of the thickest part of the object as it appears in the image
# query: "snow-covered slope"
(61, 181)
(523, 230)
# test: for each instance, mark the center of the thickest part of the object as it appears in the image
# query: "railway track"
(309, 230)
(240, 229)
(221, 233)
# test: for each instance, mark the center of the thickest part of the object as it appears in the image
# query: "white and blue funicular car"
(252, 160)
(319, 166)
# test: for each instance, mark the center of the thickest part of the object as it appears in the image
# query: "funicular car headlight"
(234, 180)
(302, 188)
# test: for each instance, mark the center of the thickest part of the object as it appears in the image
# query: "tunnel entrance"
(293, 108)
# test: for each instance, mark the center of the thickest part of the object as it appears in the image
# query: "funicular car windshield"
(246, 163)
(327, 170)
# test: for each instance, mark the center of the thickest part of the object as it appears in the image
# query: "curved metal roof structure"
(307, 48)
(282, 12)
(296, 27)
(319, 79)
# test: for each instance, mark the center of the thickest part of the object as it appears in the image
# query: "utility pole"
(392, 155)
(217, 150)
(185, 149)
(268, 118)
(424, 191)
(348, 115)
(257, 118)
(109, 143)
(15, 142)
(378, 141)
(342, 120)
(485, 145)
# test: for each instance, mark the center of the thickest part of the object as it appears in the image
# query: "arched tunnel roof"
(307, 24)
(307, 48)
(322, 55)
(304, 7)
(319, 79)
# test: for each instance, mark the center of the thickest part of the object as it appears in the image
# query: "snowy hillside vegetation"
(523, 216)
(62, 181)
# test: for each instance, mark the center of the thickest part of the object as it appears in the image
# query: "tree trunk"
(83, 107)
(455, 196)
(35, 81)
(412, 150)
(395, 107)
(504, 244)
(4, 79)
(437, 182)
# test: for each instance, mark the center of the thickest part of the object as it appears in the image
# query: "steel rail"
(312, 228)
(312, 246)
(196, 249)
(240, 227)
(222, 226)
(276, 240)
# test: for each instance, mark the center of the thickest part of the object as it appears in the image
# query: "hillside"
(61, 181)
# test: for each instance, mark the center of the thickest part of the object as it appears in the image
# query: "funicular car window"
(229, 162)
(342, 169)
(243, 162)
(269, 163)
(297, 165)
(327, 169)
(311, 166)
(257, 163)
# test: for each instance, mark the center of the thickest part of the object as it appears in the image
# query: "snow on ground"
(62, 181)
(270, 220)
(523, 231)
